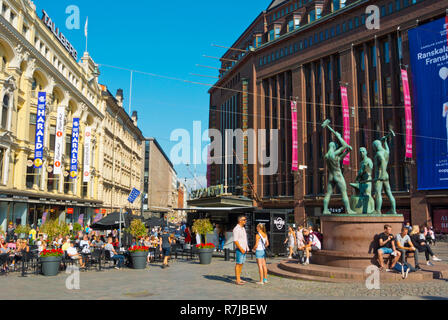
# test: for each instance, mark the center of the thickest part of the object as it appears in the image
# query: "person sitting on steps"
(386, 245)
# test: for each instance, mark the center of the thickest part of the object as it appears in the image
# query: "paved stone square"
(189, 280)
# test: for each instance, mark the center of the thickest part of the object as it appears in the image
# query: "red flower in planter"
(138, 249)
(205, 246)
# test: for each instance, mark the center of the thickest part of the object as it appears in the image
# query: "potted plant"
(51, 260)
(22, 231)
(202, 227)
(76, 228)
(138, 254)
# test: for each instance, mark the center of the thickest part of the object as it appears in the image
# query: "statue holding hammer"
(333, 160)
(381, 176)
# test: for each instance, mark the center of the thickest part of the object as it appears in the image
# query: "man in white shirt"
(240, 241)
(84, 244)
(73, 254)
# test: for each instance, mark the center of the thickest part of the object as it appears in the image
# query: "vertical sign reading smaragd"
(295, 141)
(346, 119)
(40, 129)
(74, 149)
(429, 61)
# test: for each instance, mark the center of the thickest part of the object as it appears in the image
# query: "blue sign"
(429, 64)
(74, 149)
(40, 129)
(133, 196)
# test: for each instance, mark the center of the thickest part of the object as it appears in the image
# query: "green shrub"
(202, 227)
(137, 229)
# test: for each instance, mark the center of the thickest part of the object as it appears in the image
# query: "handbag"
(267, 250)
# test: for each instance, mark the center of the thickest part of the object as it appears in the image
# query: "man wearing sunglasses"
(240, 240)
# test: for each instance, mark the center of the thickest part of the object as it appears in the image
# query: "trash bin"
(226, 254)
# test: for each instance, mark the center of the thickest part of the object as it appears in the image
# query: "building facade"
(38, 62)
(304, 51)
(160, 180)
(122, 150)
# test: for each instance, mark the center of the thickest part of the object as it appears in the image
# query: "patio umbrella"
(111, 222)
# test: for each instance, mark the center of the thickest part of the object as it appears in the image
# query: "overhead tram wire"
(281, 99)
(232, 60)
(202, 75)
(230, 48)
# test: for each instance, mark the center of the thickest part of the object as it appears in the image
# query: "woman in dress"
(291, 239)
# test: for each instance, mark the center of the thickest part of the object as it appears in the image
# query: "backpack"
(403, 267)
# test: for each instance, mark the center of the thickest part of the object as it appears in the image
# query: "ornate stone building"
(35, 57)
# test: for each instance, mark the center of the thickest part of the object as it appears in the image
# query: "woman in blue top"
(261, 242)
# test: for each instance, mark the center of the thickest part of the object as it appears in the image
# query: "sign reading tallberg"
(74, 149)
(40, 129)
(60, 123)
(59, 35)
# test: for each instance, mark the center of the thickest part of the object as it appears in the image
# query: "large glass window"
(30, 174)
(386, 52)
(4, 114)
(277, 32)
(2, 163)
(32, 132)
(52, 137)
(312, 15)
(336, 5)
(290, 25)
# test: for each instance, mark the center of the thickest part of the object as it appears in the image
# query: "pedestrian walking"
(165, 243)
(261, 242)
(291, 239)
(240, 241)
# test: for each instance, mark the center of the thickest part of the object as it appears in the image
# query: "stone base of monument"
(349, 247)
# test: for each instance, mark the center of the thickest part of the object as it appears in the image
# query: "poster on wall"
(440, 220)
(59, 140)
(40, 129)
(428, 45)
(87, 154)
(74, 149)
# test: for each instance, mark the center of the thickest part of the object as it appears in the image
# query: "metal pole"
(119, 234)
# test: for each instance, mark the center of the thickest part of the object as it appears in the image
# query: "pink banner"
(408, 112)
(81, 220)
(295, 141)
(346, 119)
(44, 217)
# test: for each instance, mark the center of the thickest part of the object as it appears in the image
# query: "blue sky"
(161, 37)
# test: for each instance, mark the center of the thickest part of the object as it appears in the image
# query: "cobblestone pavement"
(189, 280)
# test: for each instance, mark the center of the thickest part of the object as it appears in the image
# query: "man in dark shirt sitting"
(386, 245)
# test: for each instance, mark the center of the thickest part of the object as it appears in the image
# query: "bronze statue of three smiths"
(364, 180)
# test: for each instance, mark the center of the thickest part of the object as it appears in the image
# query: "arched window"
(4, 113)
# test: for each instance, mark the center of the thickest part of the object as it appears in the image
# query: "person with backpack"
(261, 243)
(404, 244)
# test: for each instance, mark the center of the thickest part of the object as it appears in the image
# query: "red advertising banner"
(295, 141)
(346, 119)
(408, 112)
(69, 210)
(440, 220)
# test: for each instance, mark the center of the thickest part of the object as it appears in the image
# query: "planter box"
(205, 255)
(50, 266)
(139, 260)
